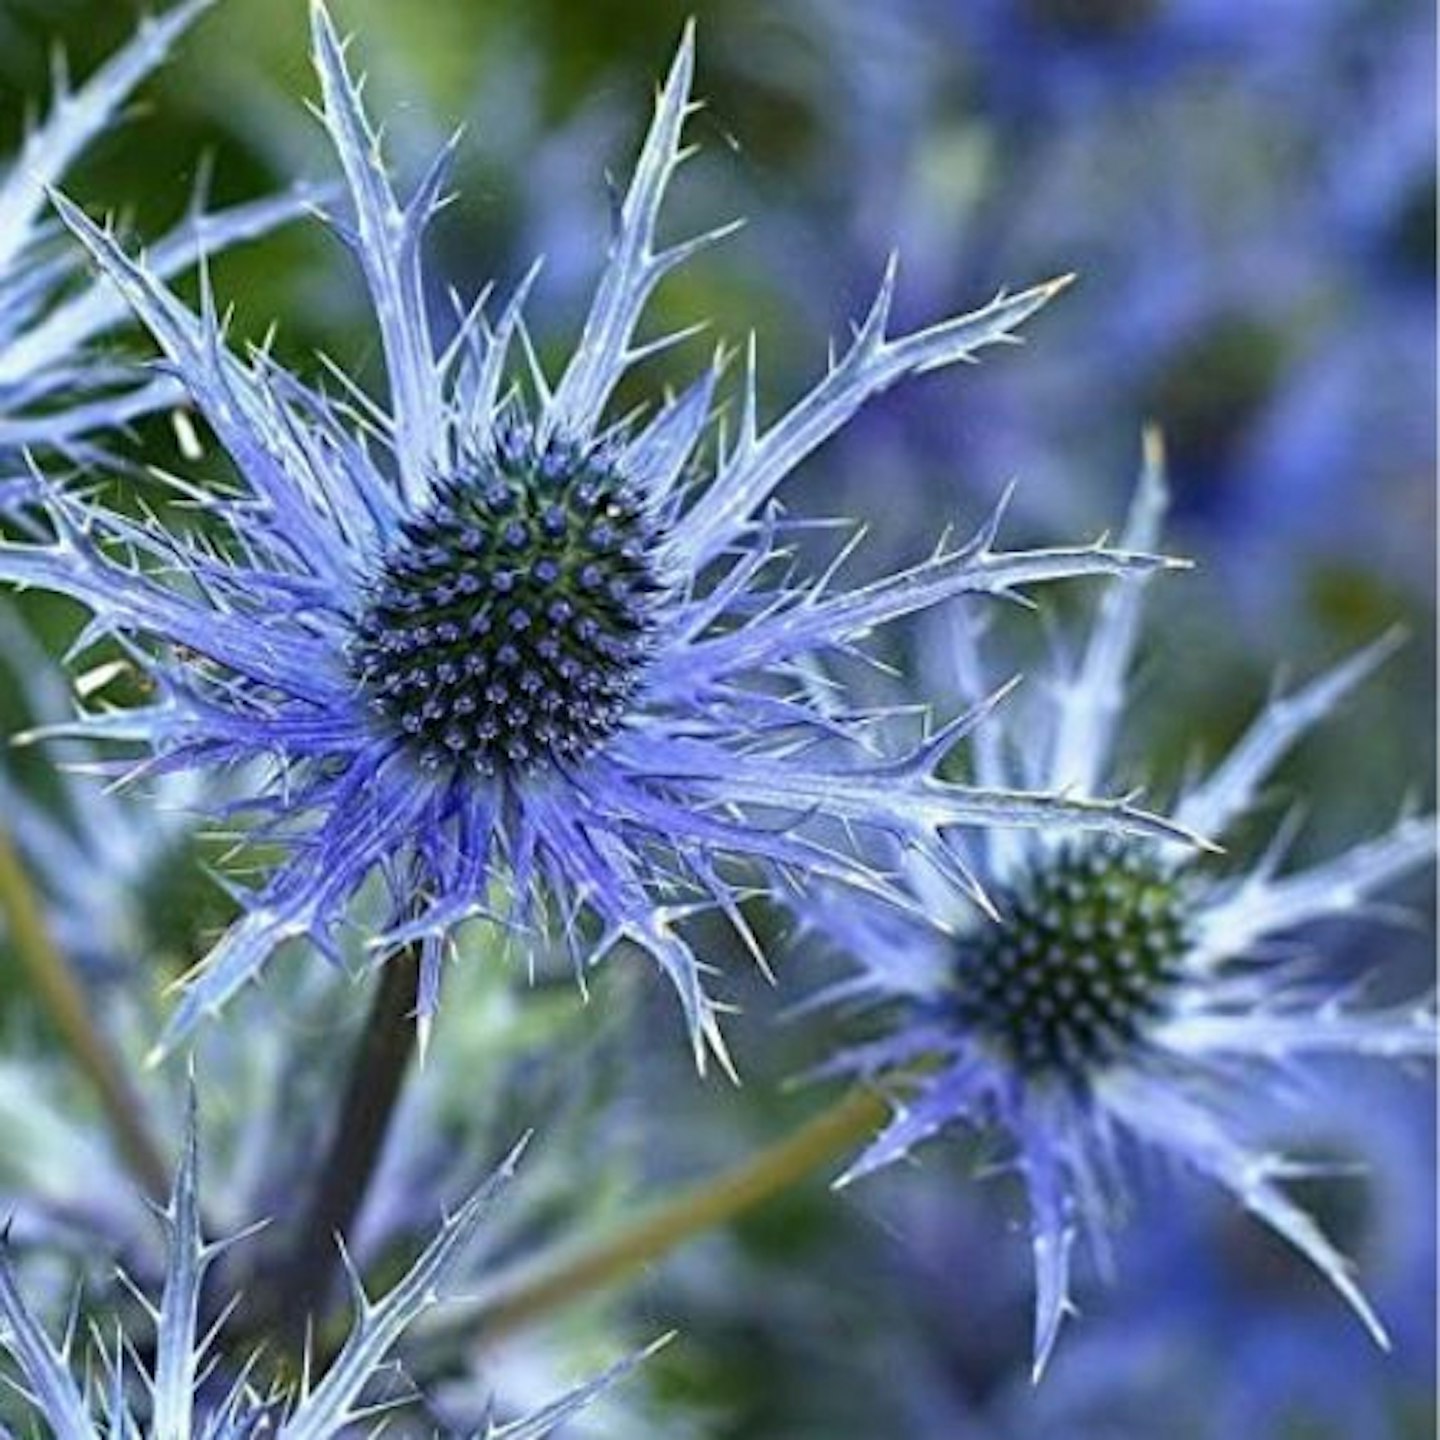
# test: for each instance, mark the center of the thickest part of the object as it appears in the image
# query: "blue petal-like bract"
(181, 1385)
(53, 394)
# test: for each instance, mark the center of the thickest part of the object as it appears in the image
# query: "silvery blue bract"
(182, 1398)
(54, 392)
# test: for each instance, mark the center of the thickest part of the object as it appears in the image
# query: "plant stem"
(377, 1075)
(69, 1010)
(534, 1289)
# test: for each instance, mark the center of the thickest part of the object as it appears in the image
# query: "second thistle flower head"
(498, 650)
(1121, 997)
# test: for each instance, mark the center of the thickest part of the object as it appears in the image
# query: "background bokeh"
(1246, 189)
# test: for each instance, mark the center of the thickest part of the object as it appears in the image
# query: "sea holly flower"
(53, 391)
(182, 1392)
(516, 658)
(1250, 290)
(1127, 997)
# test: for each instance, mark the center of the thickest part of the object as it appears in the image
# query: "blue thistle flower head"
(53, 391)
(516, 657)
(178, 1395)
(1120, 997)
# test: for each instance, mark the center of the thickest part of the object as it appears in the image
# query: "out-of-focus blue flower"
(1345, 462)
(182, 1394)
(1253, 234)
(1374, 191)
(53, 390)
(516, 659)
(1124, 998)
(1043, 62)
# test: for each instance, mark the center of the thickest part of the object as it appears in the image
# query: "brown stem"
(377, 1075)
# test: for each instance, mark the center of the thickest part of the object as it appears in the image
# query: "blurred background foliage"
(1247, 190)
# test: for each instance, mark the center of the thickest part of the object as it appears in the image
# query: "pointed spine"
(871, 364)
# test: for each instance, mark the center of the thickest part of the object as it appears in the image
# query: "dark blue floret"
(511, 623)
(1088, 955)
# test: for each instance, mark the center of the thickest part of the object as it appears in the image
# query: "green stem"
(377, 1076)
(536, 1288)
(69, 1010)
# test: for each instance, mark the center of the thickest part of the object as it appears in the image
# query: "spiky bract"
(54, 392)
(182, 1395)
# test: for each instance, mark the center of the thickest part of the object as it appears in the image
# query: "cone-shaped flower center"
(510, 626)
(1088, 954)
